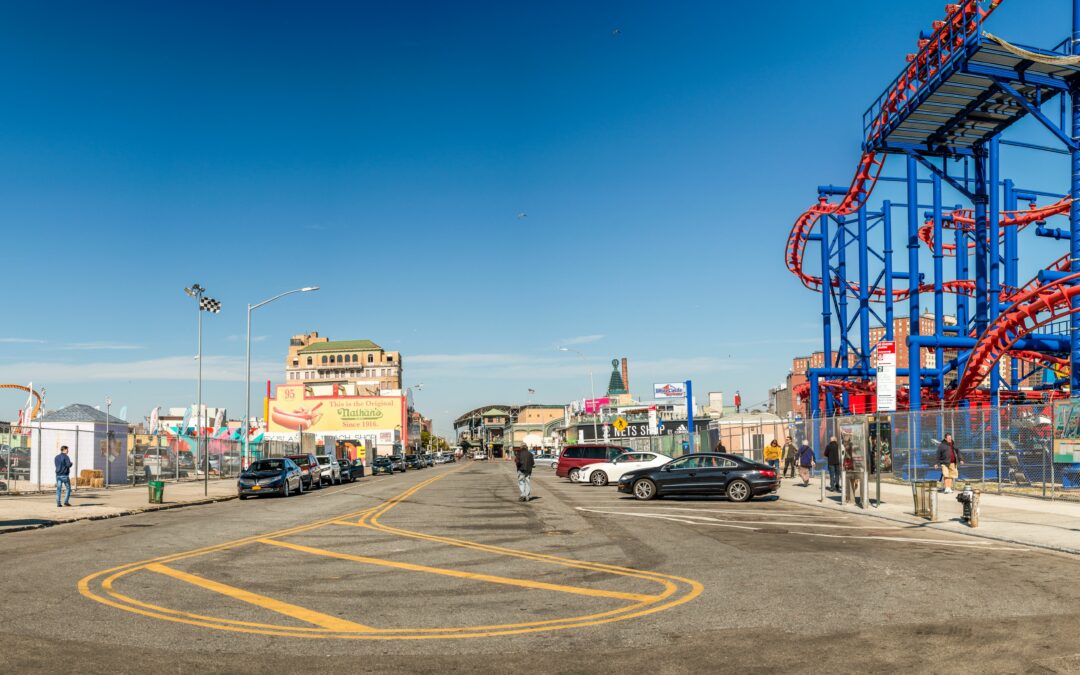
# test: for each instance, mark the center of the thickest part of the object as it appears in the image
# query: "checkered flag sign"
(209, 305)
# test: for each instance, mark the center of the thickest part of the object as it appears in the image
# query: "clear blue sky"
(384, 151)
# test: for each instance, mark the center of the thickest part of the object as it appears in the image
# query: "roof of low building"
(494, 412)
(341, 346)
(80, 412)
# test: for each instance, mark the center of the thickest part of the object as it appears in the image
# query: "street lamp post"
(196, 291)
(592, 387)
(247, 381)
(108, 450)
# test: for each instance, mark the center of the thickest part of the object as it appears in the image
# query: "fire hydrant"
(970, 499)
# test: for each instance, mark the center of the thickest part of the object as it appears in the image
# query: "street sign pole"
(690, 415)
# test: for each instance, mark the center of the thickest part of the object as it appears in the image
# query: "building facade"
(316, 360)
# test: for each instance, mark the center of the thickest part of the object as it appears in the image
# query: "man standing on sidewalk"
(524, 461)
(63, 476)
(789, 453)
(949, 460)
(806, 462)
(832, 458)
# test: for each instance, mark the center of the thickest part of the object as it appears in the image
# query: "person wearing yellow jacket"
(772, 454)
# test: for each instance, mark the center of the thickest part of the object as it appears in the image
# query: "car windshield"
(268, 465)
(323, 460)
(299, 459)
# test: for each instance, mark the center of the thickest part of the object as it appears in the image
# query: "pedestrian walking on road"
(832, 458)
(789, 451)
(772, 454)
(63, 476)
(949, 460)
(720, 446)
(806, 462)
(524, 461)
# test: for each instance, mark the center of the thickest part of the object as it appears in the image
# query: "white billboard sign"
(669, 390)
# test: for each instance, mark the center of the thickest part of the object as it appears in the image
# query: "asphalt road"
(442, 570)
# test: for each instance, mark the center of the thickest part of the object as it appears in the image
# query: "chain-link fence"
(1009, 449)
(102, 456)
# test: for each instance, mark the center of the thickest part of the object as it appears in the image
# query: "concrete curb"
(938, 527)
(129, 512)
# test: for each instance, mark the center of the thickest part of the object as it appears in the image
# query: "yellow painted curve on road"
(101, 586)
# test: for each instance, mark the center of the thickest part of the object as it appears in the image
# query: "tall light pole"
(592, 387)
(408, 417)
(202, 304)
(247, 381)
(108, 450)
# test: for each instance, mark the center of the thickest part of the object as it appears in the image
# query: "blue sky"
(384, 151)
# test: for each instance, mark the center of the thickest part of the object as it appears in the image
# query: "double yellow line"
(100, 586)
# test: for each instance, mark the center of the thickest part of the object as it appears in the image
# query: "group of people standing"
(801, 457)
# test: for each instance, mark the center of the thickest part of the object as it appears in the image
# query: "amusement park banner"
(292, 409)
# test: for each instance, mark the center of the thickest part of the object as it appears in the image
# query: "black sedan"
(737, 478)
(270, 476)
(382, 465)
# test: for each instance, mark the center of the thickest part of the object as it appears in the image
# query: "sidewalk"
(27, 512)
(1017, 520)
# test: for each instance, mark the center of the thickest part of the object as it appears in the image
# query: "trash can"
(157, 491)
(924, 492)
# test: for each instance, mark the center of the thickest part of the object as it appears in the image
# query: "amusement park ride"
(946, 115)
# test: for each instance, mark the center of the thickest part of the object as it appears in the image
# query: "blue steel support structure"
(965, 155)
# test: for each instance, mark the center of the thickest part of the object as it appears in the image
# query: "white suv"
(331, 471)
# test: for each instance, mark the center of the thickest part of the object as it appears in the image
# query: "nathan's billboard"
(293, 410)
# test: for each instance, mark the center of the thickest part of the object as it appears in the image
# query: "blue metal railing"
(950, 44)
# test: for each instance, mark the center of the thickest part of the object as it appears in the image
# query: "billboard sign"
(593, 405)
(293, 410)
(1066, 431)
(886, 376)
(669, 390)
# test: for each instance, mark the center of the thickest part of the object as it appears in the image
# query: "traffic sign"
(620, 424)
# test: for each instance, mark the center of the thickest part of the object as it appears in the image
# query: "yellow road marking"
(472, 576)
(649, 605)
(281, 607)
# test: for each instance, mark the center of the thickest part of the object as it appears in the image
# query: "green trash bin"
(157, 491)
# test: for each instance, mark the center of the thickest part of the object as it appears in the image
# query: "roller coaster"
(947, 115)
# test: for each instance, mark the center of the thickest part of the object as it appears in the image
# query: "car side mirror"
(665, 468)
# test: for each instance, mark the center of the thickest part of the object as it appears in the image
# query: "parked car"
(415, 461)
(355, 468)
(547, 460)
(382, 465)
(603, 473)
(399, 463)
(479, 454)
(309, 469)
(733, 476)
(574, 457)
(278, 475)
(331, 470)
(429, 460)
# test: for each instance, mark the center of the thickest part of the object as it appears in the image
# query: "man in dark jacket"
(948, 459)
(63, 476)
(806, 462)
(832, 457)
(524, 461)
(789, 457)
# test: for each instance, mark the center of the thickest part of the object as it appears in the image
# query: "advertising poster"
(593, 405)
(1067, 431)
(293, 410)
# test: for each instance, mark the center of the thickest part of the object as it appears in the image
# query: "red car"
(310, 471)
(574, 457)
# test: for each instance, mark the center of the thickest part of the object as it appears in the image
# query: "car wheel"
(573, 475)
(598, 478)
(739, 491)
(285, 491)
(644, 489)
(242, 497)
